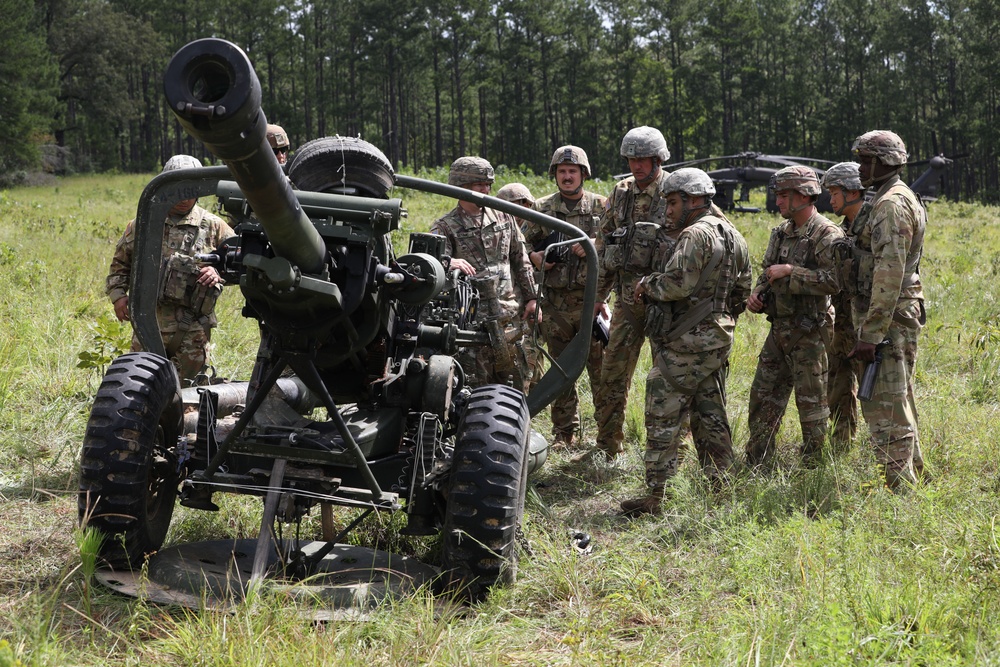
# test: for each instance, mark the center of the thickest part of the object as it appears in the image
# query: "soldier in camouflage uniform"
(185, 309)
(565, 277)
(889, 302)
(277, 138)
(846, 197)
(489, 246)
(638, 198)
(518, 193)
(800, 267)
(700, 286)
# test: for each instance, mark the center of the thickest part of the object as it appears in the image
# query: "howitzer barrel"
(213, 90)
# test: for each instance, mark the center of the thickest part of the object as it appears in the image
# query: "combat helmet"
(645, 141)
(277, 137)
(843, 175)
(515, 192)
(570, 155)
(470, 169)
(690, 181)
(883, 144)
(799, 178)
(181, 162)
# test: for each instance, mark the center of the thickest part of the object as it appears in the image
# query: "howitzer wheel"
(128, 478)
(342, 164)
(485, 501)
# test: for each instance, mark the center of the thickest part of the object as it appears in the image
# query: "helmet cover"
(800, 178)
(570, 155)
(843, 175)
(690, 181)
(515, 192)
(645, 141)
(883, 144)
(470, 169)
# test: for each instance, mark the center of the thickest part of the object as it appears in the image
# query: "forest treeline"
(428, 80)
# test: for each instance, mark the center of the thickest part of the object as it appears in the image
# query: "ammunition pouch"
(558, 276)
(641, 248)
(770, 304)
(846, 267)
(659, 320)
(615, 245)
(638, 248)
(180, 286)
(862, 272)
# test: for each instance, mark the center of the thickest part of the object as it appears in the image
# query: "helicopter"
(750, 169)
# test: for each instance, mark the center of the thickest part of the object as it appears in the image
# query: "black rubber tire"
(329, 164)
(128, 480)
(485, 498)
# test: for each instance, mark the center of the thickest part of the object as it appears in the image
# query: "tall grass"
(805, 567)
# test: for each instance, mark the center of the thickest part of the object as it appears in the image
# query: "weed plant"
(803, 567)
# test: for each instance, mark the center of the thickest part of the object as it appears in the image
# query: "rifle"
(555, 247)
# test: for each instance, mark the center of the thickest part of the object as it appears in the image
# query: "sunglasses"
(281, 151)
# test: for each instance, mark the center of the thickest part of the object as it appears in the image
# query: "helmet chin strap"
(847, 203)
(655, 172)
(795, 209)
(687, 210)
(868, 182)
(872, 180)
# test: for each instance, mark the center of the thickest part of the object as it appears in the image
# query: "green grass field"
(805, 567)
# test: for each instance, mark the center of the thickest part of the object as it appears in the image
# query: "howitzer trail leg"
(241, 423)
(266, 539)
(311, 377)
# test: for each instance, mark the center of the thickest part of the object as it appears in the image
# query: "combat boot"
(564, 441)
(597, 453)
(648, 504)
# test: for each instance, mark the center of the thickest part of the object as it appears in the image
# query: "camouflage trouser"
(792, 357)
(561, 310)
(192, 354)
(842, 386)
(620, 359)
(696, 386)
(892, 412)
(480, 363)
(533, 358)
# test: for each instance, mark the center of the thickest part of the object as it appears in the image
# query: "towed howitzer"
(346, 325)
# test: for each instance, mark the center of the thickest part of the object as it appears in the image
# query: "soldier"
(800, 269)
(185, 309)
(489, 245)
(846, 196)
(638, 198)
(889, 302)
(694, 298)
(278, 139)
(518, 193)
(565, 276)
